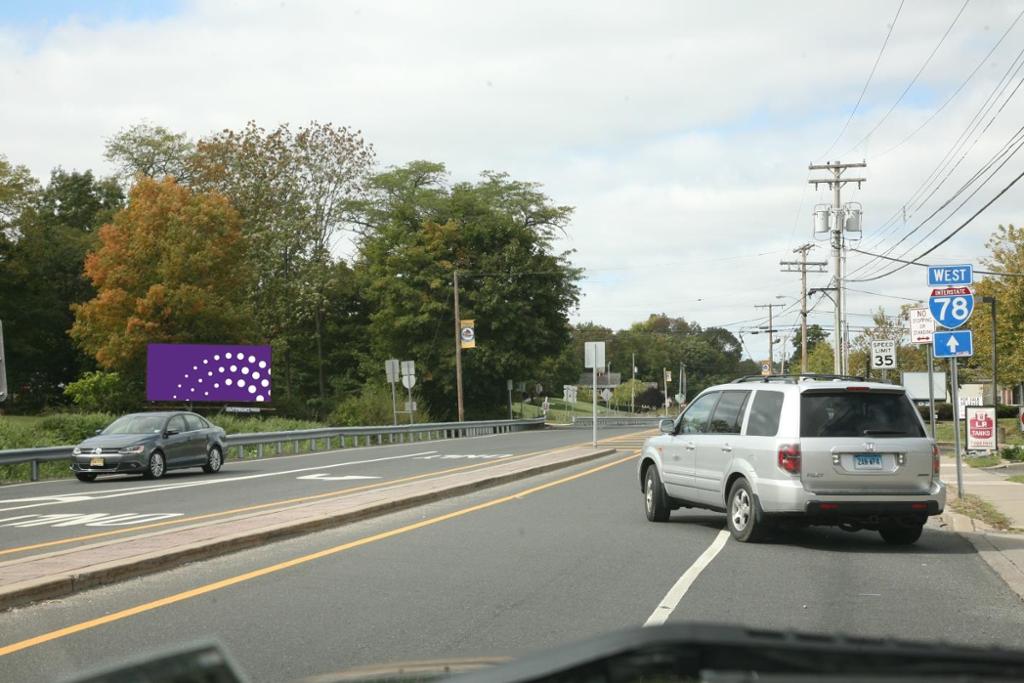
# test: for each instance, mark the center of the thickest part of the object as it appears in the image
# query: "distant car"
(799, 449)
(150, 444)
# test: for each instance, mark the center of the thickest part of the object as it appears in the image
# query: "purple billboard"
(208, 372)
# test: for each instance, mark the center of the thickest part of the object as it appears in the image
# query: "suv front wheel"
(746, 522)
(654, 497)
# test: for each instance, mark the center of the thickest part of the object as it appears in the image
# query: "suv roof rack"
(798, 377)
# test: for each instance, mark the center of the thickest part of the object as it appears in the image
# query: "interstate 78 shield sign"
(951, 306)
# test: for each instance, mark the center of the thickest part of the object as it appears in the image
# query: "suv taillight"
(936, 460)
(789, 458)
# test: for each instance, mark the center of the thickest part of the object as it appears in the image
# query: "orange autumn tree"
(170, 268)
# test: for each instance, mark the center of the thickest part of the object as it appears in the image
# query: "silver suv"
(807, 449)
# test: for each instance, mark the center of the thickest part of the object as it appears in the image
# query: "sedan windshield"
(136, 424)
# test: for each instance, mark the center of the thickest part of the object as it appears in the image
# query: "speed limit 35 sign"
(883, 354)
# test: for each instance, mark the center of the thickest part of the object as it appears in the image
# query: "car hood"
(116, 440)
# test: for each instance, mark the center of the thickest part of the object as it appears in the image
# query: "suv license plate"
(96, 462)
(867, 462)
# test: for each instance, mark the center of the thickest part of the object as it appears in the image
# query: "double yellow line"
(264, 571)
(272, 504)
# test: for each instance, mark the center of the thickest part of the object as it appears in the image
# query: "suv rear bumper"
(790, 499)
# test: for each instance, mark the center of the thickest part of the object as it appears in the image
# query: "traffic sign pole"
(931, 391)
(956, 429)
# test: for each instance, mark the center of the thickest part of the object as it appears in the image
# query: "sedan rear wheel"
(213, 460)
(157, 466)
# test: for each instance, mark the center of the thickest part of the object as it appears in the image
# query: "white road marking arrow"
(323, 476)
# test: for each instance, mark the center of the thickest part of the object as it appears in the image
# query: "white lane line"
(103, 495)
(664, 610)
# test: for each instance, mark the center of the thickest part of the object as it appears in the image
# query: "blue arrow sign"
(950, 276)
(951, 306)
(953, 344)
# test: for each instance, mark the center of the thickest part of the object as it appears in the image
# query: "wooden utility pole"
(801, 267)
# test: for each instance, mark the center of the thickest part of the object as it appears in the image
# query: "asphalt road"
(57, 514)
(510, 570)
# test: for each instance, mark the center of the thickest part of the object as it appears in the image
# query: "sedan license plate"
(867, 462)
(96, 462)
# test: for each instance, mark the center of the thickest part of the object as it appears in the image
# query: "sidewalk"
(1002, 550)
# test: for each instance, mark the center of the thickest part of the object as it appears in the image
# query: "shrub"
(1013, 453)
(103, 392)
(68, 428)
(372, 406)
(1006, 411)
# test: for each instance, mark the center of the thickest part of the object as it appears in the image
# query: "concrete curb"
(62, 584)
(985, 540)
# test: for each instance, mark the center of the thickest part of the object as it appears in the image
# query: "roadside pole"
(458, 349)
(632, 389)
(593, 358)
(956, 429)
(931, 391)
(509, 385)
(593, 407)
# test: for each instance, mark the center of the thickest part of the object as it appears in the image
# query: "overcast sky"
(680, 131)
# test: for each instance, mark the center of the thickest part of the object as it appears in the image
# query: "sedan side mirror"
(170, 432)
(667, 425)
(99, 431)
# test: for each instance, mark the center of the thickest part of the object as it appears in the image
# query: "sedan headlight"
(132, 450)
(77, 451)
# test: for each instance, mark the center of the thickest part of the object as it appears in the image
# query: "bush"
(1006, 411)
(103, 392)
(1013, 453)
(234, 424)
(372, 406)
(74, 427)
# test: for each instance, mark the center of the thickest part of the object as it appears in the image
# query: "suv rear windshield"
(858, 413)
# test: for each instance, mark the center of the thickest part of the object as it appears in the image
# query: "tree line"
(295, 237)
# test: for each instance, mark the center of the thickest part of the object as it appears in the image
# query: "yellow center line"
(264, 506)
(263, 571)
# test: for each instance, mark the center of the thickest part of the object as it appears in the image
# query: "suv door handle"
(727, 448)
(690, 445)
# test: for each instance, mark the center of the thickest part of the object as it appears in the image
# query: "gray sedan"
(150, 444)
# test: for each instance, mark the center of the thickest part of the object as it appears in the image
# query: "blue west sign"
(950, 276)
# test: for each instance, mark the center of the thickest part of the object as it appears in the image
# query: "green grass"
(983, 460)
(975, 507)
(944, 431)
(1017, 478)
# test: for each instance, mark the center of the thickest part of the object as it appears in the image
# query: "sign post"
(593, 358)
(951, 304)
(922, 330)
(391, 370)
(409, 381)
(508, 385)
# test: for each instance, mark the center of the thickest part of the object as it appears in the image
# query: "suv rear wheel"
(654, 497)
(746, 521)
(899, 534)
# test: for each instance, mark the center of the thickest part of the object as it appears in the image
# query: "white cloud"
(680, 131)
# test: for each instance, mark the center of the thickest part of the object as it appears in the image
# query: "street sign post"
(391, 370)
(408, 368)
(883, 354)
(3, 367)
(593, 358)
(951, 305)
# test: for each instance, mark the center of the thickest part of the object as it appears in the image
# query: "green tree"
(42, 278)
(498, 232)
(166, 270)
(1006, 247)
(152, 151)
(296, 192)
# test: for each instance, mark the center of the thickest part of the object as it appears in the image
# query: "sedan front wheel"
(157, 466)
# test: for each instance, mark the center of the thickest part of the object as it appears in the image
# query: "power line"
(925, 265)
(957, 91)
(950, 235)
(913, 80)
(863, 90)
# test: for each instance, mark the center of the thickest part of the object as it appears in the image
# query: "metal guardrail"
(317, 439)
(617, 421)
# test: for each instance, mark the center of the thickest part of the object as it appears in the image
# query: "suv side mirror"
(667, 425)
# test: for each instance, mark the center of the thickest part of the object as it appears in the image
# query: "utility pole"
(632, 388)
(771, 334)
(838, 242)
(801, 267)
(458, 350)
